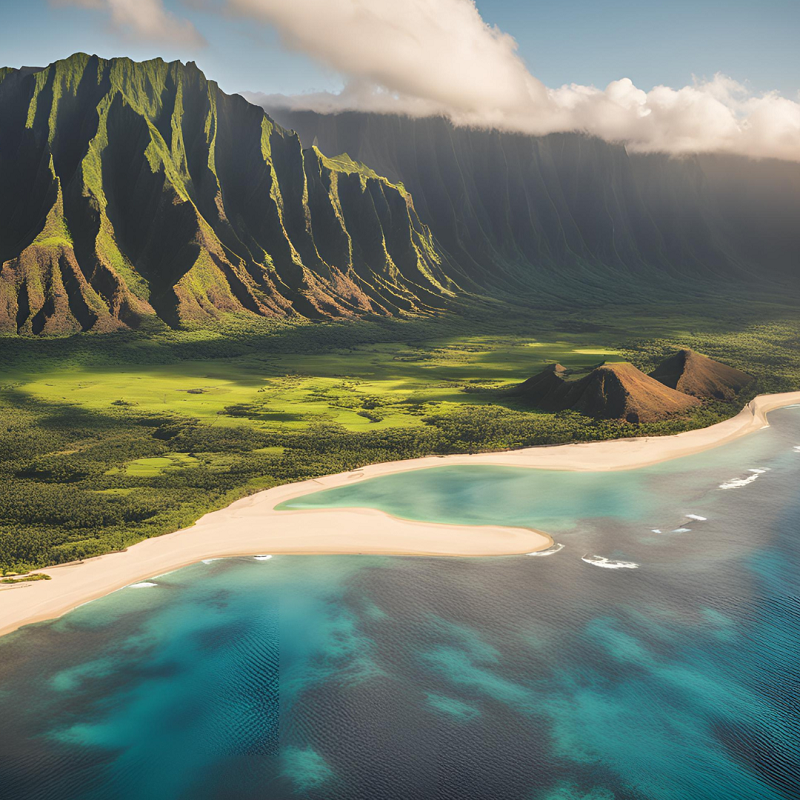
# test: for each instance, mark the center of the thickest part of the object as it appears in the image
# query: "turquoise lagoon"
(530, 677)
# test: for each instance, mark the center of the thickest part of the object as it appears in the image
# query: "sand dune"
(251, 525)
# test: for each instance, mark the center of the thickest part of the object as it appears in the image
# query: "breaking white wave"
(551, 551)
(262, 558)
(682, 530)
(796, 448)
(210, 560)
(142, 585)
(607, 563)
(696, 517)
(735, 483)
(655, 530)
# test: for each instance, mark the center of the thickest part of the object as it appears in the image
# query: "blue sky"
(582, 41)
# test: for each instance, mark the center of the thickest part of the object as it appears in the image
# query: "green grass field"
(105, 440)
(372, 386)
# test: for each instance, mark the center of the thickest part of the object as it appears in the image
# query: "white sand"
(251, 525)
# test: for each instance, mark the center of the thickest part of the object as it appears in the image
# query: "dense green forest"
(105, 440)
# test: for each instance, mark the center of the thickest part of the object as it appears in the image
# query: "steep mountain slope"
(613, 391)
(132, 190)
(700, 376)
(567, 216)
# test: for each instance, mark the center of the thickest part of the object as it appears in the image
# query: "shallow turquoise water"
(548, 499)
(544, 678)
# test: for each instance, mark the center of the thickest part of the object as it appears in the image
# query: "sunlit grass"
(148, 467)
(393, 381)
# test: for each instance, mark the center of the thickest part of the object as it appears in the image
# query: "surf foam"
(142, 585)
(608, 563)
(736, 483)
(551, 551)
(262, 558)
(696, 517)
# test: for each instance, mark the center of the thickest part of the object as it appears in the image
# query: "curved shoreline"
(251, 525)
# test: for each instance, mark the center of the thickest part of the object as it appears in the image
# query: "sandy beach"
(252, 526)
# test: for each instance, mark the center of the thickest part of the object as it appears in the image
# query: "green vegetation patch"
(156, 465)
(105, 440)
(37, 576)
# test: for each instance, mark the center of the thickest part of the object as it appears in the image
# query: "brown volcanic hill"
(613, 391)
(541, 385)
(700, 376)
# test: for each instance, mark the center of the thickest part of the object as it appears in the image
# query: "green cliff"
(568, 219)
(131, 191)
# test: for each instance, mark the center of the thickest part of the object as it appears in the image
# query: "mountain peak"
(174, 200)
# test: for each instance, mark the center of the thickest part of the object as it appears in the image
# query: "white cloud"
(144, 19)
(428, 54)
(424, 57)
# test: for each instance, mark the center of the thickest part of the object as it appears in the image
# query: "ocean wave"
(262, 558)
(696, 517)
(735, 483)
(796, 448)
(551, 551)
(142, 585)
(655, 530)
(608, 563)
(682, 530)
(210, 560)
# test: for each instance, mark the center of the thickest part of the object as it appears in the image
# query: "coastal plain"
(256, 524)
(109, 440)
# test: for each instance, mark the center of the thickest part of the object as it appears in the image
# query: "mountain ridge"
(569, 216)
(133, 190)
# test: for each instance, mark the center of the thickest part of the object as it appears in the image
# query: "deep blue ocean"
(655, 656)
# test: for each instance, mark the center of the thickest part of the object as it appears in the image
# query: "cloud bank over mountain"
(439, 57)
(424, 57)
